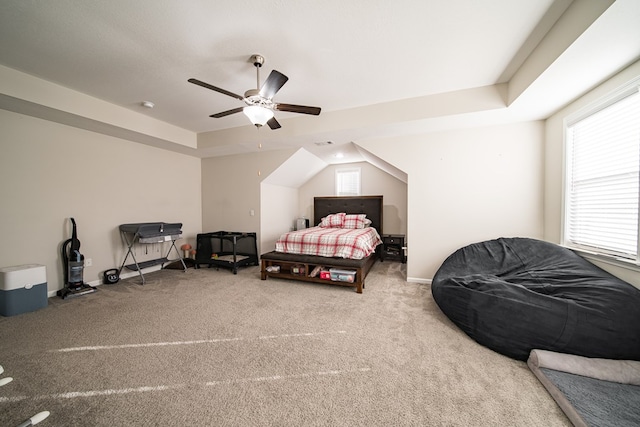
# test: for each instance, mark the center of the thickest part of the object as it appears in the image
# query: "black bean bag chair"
(514, 295)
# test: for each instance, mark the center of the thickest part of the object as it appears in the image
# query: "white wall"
(374, 181)
(279, 196)
(554, 155)
(466, 186)
(231, 190)
(279, 209)
(50, 172)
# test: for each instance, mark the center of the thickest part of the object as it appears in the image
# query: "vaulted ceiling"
(376, 68)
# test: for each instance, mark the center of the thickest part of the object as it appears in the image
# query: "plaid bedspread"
(330, 242)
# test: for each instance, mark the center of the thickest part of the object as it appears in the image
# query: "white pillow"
(356, 221)
(333, 220)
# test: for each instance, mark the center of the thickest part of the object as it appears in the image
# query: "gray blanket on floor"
(591, 392)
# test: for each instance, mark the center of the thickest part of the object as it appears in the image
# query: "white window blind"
(348, 182)
(603, 165)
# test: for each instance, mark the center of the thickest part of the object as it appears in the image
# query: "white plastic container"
(23, 288)
(338, 275)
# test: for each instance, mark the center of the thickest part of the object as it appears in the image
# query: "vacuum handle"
(76, 256)
(75, 243)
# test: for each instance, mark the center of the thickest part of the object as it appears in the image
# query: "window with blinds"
(348, 182)
(603, 165)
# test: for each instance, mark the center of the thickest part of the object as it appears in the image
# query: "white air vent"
(319, 144)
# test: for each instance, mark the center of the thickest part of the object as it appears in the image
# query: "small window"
(602, 177)
(348, 182)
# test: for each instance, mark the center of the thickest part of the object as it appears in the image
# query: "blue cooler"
(23, 288)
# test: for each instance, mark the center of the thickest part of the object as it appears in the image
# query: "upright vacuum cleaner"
(73, 263)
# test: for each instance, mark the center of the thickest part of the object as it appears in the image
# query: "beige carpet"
(207, 347)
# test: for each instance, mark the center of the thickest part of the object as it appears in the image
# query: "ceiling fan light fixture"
(258, 115)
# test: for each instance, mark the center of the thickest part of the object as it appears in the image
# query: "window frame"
(337, 180)
(631, 88)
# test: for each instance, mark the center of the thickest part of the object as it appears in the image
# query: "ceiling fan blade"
(217, 89)
(298, 109)
(226, 113)
(273, 123)
(273, 84)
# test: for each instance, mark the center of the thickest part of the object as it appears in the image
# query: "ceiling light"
(339, 155)
(148, 104)
(259, 116)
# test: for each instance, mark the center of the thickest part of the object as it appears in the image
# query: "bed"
(329, 262)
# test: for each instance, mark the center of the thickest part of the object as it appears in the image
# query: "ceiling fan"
(259, 102)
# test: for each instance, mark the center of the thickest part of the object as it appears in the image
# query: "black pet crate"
(226, 249)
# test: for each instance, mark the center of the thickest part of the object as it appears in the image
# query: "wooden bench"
(305, 264)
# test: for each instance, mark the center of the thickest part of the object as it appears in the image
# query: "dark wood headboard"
(370, 205)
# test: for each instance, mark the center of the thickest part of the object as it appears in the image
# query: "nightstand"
(393, 248)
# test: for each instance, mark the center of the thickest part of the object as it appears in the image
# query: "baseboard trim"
(98, 282)
(419, 280)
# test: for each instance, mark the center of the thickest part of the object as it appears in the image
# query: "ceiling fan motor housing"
(253, 97)
(257, 60)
